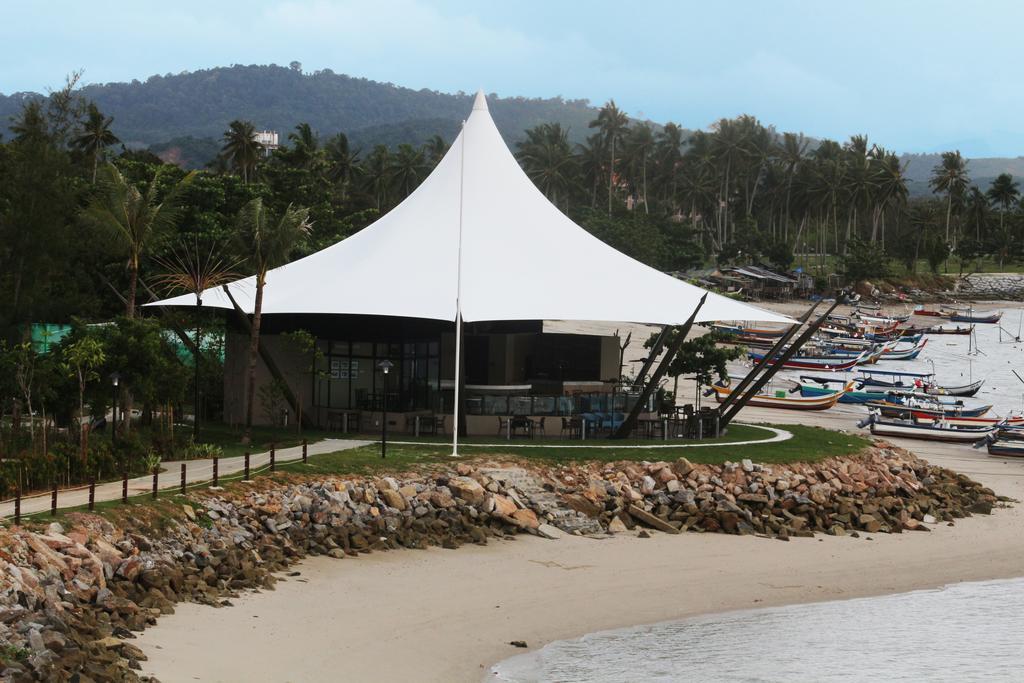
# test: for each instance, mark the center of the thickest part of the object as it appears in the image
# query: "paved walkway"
(196, 472)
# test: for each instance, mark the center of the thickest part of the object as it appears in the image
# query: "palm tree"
(377, 174)
(408, 169)
(639, 144)
(950, 176)
(195, 270)
(590, 158)
(1003, 192)
(791, 154)
(434, 149)
(728, 148)
(241, 148)
(96, 137)
(265, 241)
(669, 156)
(612, 123)
(890, 185)
(306, 145)
(547, 158)
(133, 217)
(343, 162)
(977, 210)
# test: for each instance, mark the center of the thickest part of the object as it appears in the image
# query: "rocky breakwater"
(885, 490)
(71, 599)
(992, 286)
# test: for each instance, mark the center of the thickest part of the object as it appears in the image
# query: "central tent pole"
(458, 303)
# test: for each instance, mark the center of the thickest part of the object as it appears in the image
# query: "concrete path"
(197, 472)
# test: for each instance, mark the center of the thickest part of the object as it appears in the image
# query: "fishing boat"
(989, 317)
(850, 396)
(1013, 421)
(907, 408)
(960, 390)
(921, 310)
(783, 399)
(769, 333)
(904, 354)
(936, 431)
(812, 363)
(1002, 447)
(939, 329)
(895, 379)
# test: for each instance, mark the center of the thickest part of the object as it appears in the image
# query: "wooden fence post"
(273, 465)
(124, 487)
(53, 500)
(246, 476)
(17, 506)
(216, 474)
(305, 454)
(183, 477)
(156, 480)
(92, 493)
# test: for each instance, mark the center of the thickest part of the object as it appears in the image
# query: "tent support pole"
(727, 415)
(766, 361)
(627, 425)
(649, 361)
(457, 413)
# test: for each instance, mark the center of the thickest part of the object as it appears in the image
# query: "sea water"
(963, 632)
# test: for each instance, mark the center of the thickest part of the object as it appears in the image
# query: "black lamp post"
(115, 381)
(385, 366)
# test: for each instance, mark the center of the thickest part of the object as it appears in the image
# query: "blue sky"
(913, 75)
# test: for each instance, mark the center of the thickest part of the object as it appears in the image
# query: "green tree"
(613, 124)
(95, 137)
(408, 169)
(265, 241)
(864, 260)
(82, 359)
(133, 217)
(547, 159)
(241, 150)
(1004, 192)
(950, 177)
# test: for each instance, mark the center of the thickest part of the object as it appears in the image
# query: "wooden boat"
(939, 329)
(961, 390)
(895, 379)
(783, 399)
(1002, 447)
(923, 311)
(768, 333)
(890, 408)
(990, 317)
(904, 354)
(937, 431)
(850, 396)
(920, 416)
(812, 363)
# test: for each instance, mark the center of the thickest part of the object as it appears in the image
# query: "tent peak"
(480, 103)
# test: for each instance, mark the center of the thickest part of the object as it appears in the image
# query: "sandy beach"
(439, 615)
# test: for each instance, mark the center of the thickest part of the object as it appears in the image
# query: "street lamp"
(115, 381)
(385, 366)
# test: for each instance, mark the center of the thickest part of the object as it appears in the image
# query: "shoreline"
(450, 616)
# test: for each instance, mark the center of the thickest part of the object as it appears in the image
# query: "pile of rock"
(71, 600)
(992, 286)
(886, 490)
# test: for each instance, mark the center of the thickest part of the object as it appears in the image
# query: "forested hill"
(200, 105)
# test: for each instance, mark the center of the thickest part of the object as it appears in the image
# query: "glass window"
(364, 349)
(339, 348)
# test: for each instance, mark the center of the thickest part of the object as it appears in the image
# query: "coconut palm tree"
(376, 172)
(613, 123)
(133, 217)
(950, 176)
(241, 148)
(343, 162)
(265, 241)
(547, 158)
(1003, 193)
(791, 154)
(639, 144)
(591, 157)
(434, 150)
(408, 169)
(977, 210)
(95, 137)
(305, 145)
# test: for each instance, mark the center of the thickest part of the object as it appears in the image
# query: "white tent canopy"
(520, 258)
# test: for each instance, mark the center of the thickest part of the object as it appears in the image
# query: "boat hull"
(930, 433)
(1013, 449)
(783, 402)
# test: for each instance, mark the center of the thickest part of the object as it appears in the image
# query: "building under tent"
(476, 242)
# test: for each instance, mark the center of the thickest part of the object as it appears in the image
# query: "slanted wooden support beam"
(627, 425)
(766, 361)
(168, 318)
(735, 407)
(268, 360)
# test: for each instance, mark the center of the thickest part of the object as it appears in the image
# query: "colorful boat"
(937, 431)
(851, 396)
(812, 363)
(961, 390)
(962, 421)
(920, 310)
(890, 408)
(783, 399)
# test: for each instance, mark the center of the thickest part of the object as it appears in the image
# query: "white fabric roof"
(522, 258)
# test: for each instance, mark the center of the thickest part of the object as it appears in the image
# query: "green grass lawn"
(808, 444)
